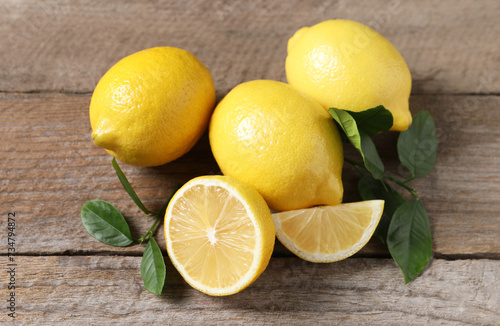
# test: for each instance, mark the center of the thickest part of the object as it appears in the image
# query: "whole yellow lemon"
(152, 106)
(347, 65)
(280, 141)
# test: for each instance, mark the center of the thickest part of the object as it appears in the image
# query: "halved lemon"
(326, 234)
(219, 234)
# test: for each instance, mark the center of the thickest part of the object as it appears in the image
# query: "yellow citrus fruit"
(326, 234)
(219, 234)
(347, 65)
(279, 141)
(151, 107)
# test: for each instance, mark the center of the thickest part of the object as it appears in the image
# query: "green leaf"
(347, 125)
(360, 140)
(417, 146)
(370, 188)
(153, 268)
(374, 120)
(409, 238)
(370, 156)
(128, 187)
(104, 222)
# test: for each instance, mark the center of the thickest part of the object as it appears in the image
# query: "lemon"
(328, 233)
(219, 234)
(281, 142)
(347, 65)
(151, 107)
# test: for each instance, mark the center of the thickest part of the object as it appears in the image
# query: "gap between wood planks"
(435, 256)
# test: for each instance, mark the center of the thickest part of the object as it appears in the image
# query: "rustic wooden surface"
(107, 290)
(53, 53)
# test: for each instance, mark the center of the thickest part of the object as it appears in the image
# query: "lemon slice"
(219, 234)
(326, 234)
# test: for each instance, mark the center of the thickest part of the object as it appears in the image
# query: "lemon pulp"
(220, 238)
(328, 233)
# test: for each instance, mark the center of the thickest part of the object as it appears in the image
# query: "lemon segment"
(326, 234)
(219, 234)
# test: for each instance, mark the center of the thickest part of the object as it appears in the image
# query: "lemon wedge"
(219, 234)
(326, 234)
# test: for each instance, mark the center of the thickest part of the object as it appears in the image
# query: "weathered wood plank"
(105, 290)
(50, 168)
(450, 46)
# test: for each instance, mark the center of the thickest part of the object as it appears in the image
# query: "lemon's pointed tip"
(293, 40)
(107, 142)
(98, 139)
(104, 137)
(94, 136)
(403, 123)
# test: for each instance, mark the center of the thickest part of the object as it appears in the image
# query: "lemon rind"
(339, 255)
(255, 269)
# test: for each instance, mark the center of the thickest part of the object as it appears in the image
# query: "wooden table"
(52, 55)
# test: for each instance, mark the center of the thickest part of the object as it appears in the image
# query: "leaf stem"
(355, 163)
(410, 178)
(158, 214)
(126, 184)
(150, 231)
(402, 184)
(359, 166)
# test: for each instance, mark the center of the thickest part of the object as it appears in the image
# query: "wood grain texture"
(450, 46)
(50, 168)
(52, 54)
(107, 290)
